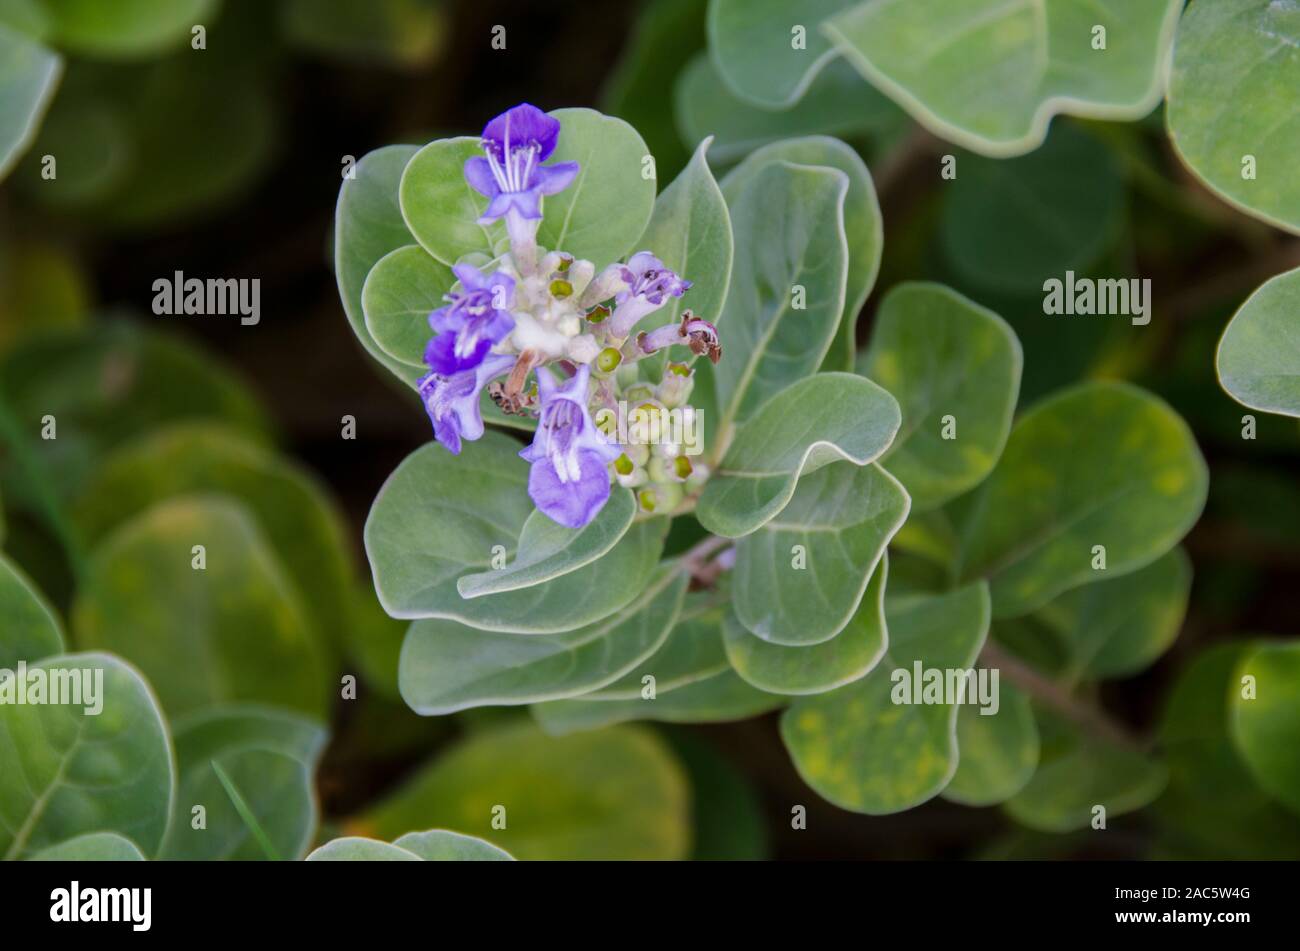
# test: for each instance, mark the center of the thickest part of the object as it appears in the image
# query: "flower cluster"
(548, 337)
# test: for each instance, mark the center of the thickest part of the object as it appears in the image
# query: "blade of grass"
(245, 813)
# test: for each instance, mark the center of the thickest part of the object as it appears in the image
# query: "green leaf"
(234, 630)
(91, 847)
(268, 756)
(602, 214)
(616, 794)
(863, 226)
(31, 628)
(1119, 626)
(790, 250)
(401, 33)
(446, 666)
(1266, 724)
(861, 751)
(1098, 464)
(1208, 777)
(439, 845)
(690, 231)
(128, 28)
(400, 292)
(598, 217)
(814, 668)
(548, 550)
(837, 103)
(692, 651)
(990, 74)
(1012, 225)
(65, 772)
(107, 384)
(360, 849)
(819, 420)
(27, 82)
(1076, 773)
(440, 515)
(1259, 356)
(998, 753)
(799, 578)
(666, 34)
(753, 45)
(1230, 96)
(292, 507)
(438, 205)
(368, 224)
(157, 166)
(720, 698)
(942, 355)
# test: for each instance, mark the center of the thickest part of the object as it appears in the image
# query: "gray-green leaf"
(401, 290)
(863, 225)
(1231, 111)
(990, 74)
(819, 420)
(65, 772)
(814, 668)
(860, 749)
(235, 629)
(945, 359)
(446, 666)
(799, 578)
(788, 286)
(269, 758)
(1098, 466)
(1259, 355)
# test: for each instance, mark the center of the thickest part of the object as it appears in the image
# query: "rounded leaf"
(1231, 111)
(69, 770)
(1259, 356)
(234, 629)
(614, 794)
(1100, 464)
(946, 360)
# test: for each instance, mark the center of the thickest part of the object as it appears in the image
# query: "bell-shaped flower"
(649, 285)
(452, 401)
(569, 480)
(512, 175)
(476, 319)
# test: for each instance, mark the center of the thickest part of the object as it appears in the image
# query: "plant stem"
(1091, 719)
(696, 561)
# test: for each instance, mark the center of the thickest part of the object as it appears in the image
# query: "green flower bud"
(607, 360)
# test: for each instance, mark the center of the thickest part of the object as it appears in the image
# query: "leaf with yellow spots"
(1100, 464)
(856, 746)
(954, 368)
(233, 629)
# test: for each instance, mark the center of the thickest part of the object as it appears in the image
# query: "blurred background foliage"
(226, 161)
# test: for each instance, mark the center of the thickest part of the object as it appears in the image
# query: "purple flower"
(452, 400)
(475, 320)
(512, 175)
(569, 480)
(649, 285)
